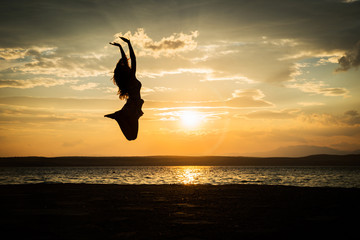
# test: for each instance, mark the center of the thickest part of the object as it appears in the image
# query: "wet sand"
(79, 211)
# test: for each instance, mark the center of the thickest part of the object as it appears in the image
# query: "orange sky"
(267, 78)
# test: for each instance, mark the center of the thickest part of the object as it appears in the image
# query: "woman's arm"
(123, 55)
(132, 54)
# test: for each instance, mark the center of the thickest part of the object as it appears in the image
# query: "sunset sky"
(222, 77)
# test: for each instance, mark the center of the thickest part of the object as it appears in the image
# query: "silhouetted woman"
(129, 89)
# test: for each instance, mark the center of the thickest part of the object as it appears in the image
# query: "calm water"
(294, 176)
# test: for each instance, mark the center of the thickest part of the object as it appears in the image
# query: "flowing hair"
(121, 78)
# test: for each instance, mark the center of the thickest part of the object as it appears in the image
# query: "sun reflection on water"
(189, 175)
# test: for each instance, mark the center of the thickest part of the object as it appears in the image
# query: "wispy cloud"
(279, 114)
(44, 60)
(206, 71)
(248, 98)
(282, 42)
(319, 88)
(12, 53)
(307, 104)
(349, 118)
(326, 56)
(75, 65)
(205, 74)
(31, 83)
(237, 78)
(13, 113)
(19, 53)
(175, 115)
(85, 86)
(217, 49)
(241, 98)
(61, 103)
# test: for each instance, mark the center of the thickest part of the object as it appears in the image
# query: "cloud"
(11, 110)
(248, 98)
(25, 114)
(85, 86)
(242, 61)
(319, 88)
(145, 91)
(31, 83)
(351, 59)
(241, 98)
(176, 115)
(206, 71)
(63, 64)
(38, 119)
(349, 118)
(282, 42)
(85, 25)
(12, 53)
(43, 61)
(307, 104)
(61, 103)
(167, 46)
(20, 53)
(216, 49)
(325, 56)
(58, 62)
(311, 21)
(333, 91)
(204, 74)
(267, 114)
(236, 78)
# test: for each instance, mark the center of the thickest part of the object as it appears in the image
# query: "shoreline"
(248, 211)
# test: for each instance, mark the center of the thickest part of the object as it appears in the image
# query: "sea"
(344, 177)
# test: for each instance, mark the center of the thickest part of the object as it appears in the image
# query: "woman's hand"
(125, 39)
(115, 44)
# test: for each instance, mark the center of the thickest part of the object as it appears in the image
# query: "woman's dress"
(134, 103)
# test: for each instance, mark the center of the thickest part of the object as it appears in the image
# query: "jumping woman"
(129, 89)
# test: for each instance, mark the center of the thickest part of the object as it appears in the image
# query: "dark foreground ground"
(79, 211)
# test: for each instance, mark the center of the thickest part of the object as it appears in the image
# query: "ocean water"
(347, 177)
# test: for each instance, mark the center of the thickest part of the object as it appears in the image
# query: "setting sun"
(190, 118)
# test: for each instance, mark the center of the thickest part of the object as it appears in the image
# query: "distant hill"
(313, 160)
(301, 151)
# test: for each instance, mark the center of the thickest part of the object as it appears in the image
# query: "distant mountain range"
(313, 160)
(301, 151)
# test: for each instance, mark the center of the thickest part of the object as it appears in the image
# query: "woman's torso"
(134, 89)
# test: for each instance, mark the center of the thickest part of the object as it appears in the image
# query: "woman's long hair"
(122, 78)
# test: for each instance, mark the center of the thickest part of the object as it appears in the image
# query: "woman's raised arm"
(132, 54)
(123, 55)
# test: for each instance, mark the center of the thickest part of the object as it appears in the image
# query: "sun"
(190, 118)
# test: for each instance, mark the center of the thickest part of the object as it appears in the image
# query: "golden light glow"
(190, 118)
(202, 95)
(189, 175)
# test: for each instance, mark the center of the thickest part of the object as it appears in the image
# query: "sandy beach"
(79, 211)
